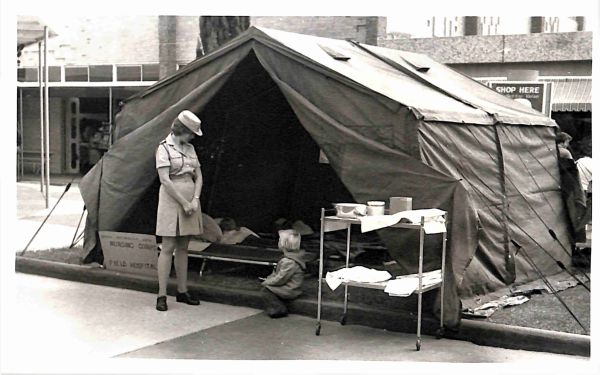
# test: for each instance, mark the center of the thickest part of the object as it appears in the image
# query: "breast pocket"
(193, 162)
(176, 164)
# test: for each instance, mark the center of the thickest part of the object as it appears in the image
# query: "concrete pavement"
(59, 229)
(259, 337)
(57, 323)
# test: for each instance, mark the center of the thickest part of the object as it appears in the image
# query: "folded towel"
(357, 274)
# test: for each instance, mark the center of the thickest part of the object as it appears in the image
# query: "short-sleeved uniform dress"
(182, 161)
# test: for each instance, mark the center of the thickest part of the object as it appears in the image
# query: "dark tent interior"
(258, 162)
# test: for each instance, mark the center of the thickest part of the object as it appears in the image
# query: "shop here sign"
(129, 252)
(537, 94)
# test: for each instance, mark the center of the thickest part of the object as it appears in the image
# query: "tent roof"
(432, 90)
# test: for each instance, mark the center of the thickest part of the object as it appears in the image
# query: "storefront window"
(150, 72)
(76, 74)
(129, 73)
(27, 74)
(101, 73)
(54, 74)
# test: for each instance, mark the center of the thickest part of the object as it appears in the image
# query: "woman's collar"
(170, 140)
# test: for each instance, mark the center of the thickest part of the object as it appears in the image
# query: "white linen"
(357, 274)
(404, 286)
(433, 223)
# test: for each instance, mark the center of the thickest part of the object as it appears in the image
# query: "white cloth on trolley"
(433, 220)
(404, 286)
(357, 274)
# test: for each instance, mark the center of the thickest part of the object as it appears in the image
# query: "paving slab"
(259, 337)
(62, 320)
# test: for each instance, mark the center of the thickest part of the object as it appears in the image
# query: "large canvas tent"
(391, 123)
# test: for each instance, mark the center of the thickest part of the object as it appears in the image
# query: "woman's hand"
(188, 208)
(195, 204)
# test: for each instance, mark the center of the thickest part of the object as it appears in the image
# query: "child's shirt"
(286, 281)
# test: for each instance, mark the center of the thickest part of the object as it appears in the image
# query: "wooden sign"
(129, 252)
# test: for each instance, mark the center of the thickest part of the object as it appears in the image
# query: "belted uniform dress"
(182, 161)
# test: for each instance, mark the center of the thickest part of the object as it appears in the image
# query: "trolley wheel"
(439, 333)
(343, 320)
(418, 344)
(318, 330)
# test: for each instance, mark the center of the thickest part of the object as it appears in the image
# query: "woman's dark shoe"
(186, 297)
(161, 303)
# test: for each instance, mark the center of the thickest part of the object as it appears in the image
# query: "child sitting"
(285, 283)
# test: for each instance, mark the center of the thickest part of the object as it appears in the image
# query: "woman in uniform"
(178, 215)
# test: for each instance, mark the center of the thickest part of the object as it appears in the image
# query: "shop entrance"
(87, 133)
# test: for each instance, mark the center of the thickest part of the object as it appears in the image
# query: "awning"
(30, 30)
(571, 94)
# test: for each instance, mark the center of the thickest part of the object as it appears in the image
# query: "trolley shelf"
(346, 223)
(381, 285)
(357, 221)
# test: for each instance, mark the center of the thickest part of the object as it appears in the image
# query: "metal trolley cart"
(333, 223)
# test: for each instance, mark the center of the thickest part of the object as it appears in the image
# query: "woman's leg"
(165, 260)
(181, 262)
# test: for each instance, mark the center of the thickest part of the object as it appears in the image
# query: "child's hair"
(289, 239)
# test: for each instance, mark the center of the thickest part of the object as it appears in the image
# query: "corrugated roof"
(571, 94)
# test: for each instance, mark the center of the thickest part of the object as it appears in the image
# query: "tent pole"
(110, 110)
(46, 115)
(21, 168)
(42, 174)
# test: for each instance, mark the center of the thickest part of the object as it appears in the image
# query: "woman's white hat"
(191, 121)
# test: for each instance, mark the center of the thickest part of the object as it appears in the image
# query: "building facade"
(447, 26)
(93, 64)
(557, 50)
(96, 62)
